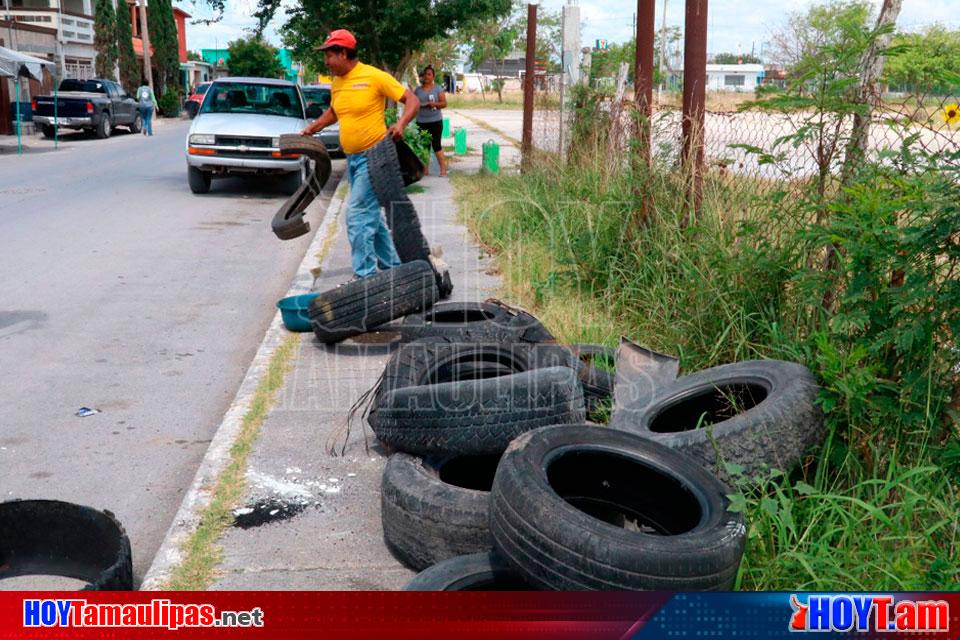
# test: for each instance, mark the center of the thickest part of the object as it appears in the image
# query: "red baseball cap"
(339, 38)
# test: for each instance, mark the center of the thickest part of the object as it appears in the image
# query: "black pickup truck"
(93, 105)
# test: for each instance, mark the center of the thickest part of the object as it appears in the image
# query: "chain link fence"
(757, 150)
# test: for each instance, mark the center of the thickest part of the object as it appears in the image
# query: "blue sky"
(731, 22)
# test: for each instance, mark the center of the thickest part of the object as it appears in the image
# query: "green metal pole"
(19, 144)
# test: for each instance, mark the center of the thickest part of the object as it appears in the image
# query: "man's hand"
(395, 131)
(307, 131)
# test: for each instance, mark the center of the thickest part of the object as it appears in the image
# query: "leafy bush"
(419, 141)
(169, 103)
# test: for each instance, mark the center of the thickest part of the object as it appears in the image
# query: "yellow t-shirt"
(358, 101)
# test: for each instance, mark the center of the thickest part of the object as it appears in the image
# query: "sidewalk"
(315, 518)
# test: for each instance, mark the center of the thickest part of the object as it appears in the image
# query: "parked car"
(195, 99)
(320, 94)
(96, 105)
(238, 129)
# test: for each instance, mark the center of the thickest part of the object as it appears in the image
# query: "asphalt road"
(122, 291)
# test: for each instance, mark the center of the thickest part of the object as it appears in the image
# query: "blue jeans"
(370, 242)
(147, 114)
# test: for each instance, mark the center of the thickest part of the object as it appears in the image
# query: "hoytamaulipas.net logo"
(868, 613)
(156, 613)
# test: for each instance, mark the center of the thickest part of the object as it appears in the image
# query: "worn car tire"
(54, 538)
(597, 381)
(288, 222)
(474, 572)
(356, 307)
(137, 125)
(198, 180)
(48, 130)
(477, 415)
(592, 508)
(436, 359)
(469, 322)
(778, 419)
(437, 507)
(105, 126)
(383, 165)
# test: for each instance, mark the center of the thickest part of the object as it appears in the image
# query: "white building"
(73, 22)
(734, 77)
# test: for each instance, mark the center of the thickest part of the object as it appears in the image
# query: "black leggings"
(435, 129)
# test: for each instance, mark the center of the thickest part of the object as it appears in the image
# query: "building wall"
(733, 77)
(179, 17)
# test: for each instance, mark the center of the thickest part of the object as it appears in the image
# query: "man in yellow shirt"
(359, 92)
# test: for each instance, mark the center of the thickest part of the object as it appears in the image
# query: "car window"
(319, 96)
(243, 97)
(202, 89)
(89, 86)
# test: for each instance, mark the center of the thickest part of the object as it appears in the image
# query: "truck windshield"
(265, 99)
(87, 86)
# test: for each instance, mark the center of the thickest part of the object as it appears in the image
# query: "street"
(125, 293)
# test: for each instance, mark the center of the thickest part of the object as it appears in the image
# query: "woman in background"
(430, 117)
(148, 104)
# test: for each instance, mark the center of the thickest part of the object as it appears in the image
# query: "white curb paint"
(169, 556)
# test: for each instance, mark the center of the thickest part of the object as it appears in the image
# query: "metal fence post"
(643, 72)
(694, 95)
(528, 86)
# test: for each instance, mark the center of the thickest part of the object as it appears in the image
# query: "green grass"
(876, 506)
(201, 553)
(416, 188)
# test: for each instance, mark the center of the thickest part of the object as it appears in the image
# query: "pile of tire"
(498, 481)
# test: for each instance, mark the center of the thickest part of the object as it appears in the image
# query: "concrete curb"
(169, 555)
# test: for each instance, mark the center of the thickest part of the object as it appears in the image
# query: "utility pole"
(10, 42)
(145, 38)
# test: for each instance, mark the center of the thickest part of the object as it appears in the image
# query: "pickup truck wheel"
(292, 181)
(198, 180)
(105, 126)
(137, 125)
(49, 131)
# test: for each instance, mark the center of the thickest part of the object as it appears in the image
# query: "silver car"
(319, 94)
(238, 128)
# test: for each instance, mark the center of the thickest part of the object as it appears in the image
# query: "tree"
(920, 63)
(388, 31)
(441, 52)
(129, 67)
(549, 39)
(733, 58)
(166, 47)
(253, 57)
(492, 41)
(606, 63)
(806, 36)
(105, 39)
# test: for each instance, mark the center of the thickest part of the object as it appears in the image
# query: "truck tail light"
(33, 105)
(89, 107)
